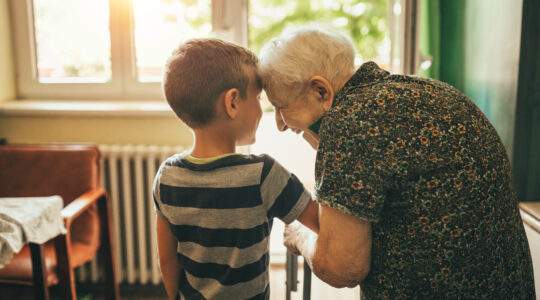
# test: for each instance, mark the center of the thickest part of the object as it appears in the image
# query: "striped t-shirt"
(221, 212)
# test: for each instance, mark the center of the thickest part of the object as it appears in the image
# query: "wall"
(99, 130)
(7, 80)
(161, 130)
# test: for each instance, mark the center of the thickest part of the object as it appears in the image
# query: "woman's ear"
(323, 90)
(230, 101)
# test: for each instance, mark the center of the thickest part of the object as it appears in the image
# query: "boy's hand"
(290, 237)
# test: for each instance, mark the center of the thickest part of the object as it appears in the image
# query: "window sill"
(42, 108)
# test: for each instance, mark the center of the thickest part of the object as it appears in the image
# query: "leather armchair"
(70, 171)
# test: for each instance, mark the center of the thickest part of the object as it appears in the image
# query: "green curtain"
(441, 32)
(526, 164)
(429, 36)
(475, 47)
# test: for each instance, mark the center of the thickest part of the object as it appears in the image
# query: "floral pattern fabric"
(420, 161)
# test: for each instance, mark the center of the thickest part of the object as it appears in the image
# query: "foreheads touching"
(199, 70)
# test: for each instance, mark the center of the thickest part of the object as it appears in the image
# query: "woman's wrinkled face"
(300, 113)
(297, 114)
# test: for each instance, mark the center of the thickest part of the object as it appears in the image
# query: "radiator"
(127, 173)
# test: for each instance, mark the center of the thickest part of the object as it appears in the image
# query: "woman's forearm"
(319, 263)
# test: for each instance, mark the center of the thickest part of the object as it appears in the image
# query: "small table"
(33, 221)
(530, 213)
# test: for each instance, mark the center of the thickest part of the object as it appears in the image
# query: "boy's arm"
(168, 259)
(310, 216)
(287, 197)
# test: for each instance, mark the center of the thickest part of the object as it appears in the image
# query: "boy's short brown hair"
(198, 71)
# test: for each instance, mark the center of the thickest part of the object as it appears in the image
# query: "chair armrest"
(82, 203)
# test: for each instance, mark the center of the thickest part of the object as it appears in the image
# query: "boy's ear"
(323, 90)
(232, 97)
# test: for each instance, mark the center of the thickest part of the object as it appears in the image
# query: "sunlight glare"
(160, 26)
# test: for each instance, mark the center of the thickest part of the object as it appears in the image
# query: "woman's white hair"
(290, 60)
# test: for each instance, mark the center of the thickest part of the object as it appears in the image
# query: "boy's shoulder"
(240, 166)
(181, 160)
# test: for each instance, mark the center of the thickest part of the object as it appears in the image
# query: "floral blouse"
(420, 161)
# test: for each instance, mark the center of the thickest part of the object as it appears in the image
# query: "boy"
(215, 207)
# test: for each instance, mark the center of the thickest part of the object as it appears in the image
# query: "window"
(115, 49)
(81, 52)
(159, 26)
(111, 49)
(364, 21)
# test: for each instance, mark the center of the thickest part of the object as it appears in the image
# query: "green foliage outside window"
(364, 21)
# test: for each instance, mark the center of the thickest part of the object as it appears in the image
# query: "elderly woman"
(413, 181)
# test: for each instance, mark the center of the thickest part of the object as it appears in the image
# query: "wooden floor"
(319, 290)
(87, 292)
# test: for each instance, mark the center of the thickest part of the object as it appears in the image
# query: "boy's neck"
(210, 143)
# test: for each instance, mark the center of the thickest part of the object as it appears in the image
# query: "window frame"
(229, 24)
(403, 31)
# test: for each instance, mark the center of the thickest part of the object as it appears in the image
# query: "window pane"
(160, 25)
(72, 40)
(364, 21)
(396, 37)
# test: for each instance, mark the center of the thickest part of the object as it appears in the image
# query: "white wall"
(7, 75)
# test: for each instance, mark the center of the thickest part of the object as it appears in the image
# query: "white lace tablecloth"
(25, 220)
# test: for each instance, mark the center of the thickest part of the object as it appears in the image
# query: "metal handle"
(307, 282)
(291, 268)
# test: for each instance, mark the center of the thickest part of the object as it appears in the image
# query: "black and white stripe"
(221, 213)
